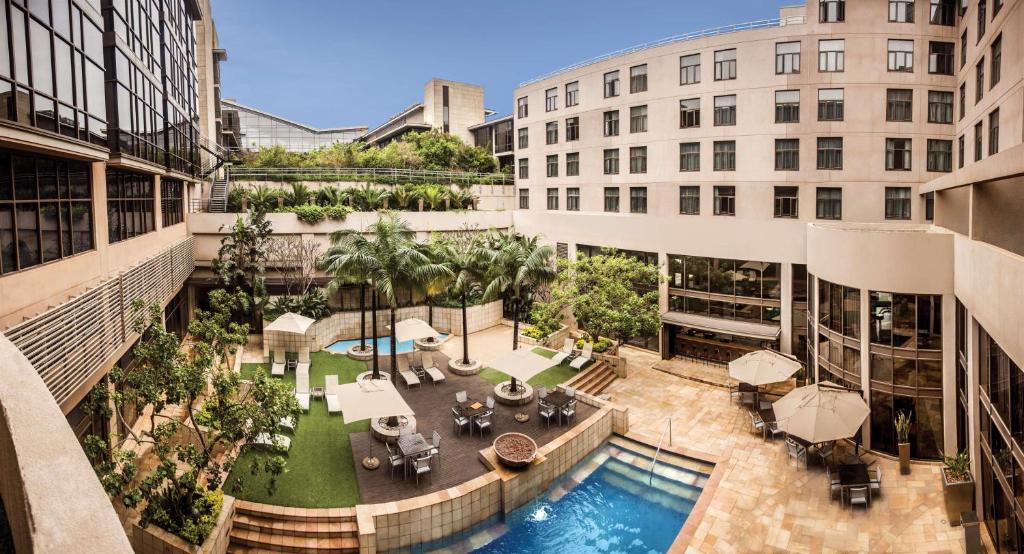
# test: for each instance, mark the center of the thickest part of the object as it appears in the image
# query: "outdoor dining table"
(767, 415)
(557, 400)
(470, 409)
(853, 475)
(411, 445)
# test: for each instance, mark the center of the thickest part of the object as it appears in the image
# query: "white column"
(786, 338)
(865, 358)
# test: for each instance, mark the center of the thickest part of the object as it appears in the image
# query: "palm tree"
(465, 263)
(369, 198)
(328, 196)
(404, 195)
(345, 266)
(433, 195)
(300, 195)
(517, 267)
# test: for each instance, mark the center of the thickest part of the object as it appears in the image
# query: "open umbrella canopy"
(821, 412)
(763, 367)
(368, 399)
(522, 364)
(414, 329)
(290, 323)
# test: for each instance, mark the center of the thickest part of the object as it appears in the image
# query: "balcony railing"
(368, 174)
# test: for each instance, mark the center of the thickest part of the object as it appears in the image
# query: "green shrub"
(308, 213)
(197, 528)
(533, 332)
(602, 344)
(313, 304)
(546, 317)
(337, 212)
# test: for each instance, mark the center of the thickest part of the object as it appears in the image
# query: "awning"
(414, 329)
(370, 398)
(521, 364)
(728, 326)
(290, 323)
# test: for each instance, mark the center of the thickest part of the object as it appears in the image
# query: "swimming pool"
(383, 345)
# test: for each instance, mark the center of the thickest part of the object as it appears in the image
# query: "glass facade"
(839, 334)
(247, 129)
(129, 205)
(727, 289)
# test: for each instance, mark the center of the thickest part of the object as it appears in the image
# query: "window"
(129, 205)
(829, 203)
(993, 132)
(963, 100)
(899, 104)
(942, 12)
(787, 154)
(996, 54)
(172, 202)
(551, 132)
(552, 199)
(572, 164)
(572, 199)
(725, 110)
(524, 168)
(725, 64)
(787, 106)
(637, 200)
(725, 200)
(552, 165)
(524, 199)
(831, 11)
(996, 6)
(724, 155)
(978, 132)
(524, 138)
(572, 94)
(611, 123)
(901, 11)
(897, 202)
(940, 106)
(689, 113)
(787, 202)
(929, 206)
(611, 199)
(551, 99)
(611, 84)
(46, 210)
(979, 80)
(638, 119)
(572, 129)
(831, 55)
(940, 155)
(787, 58)
(940, 58)
(689, 200)
(638, 78)
(982, 19)
(960, 151)
(689, 69)
(830, 152)
(611, 161)
(522, 107)
(689, 156)
(638, 159)
(963, 49)
(830, 104)
(901, 55)
(897, 154)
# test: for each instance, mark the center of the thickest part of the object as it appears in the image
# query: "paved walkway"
(486, 345)
(767, 503)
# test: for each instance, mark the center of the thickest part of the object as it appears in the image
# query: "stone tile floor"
(766, 502)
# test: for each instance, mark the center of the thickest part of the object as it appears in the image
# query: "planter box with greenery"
(902, 423)
(216, 527)
(957, 486)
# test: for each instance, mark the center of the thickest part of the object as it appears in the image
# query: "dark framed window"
(551, 132)
(689, 156)
(724, 155)
(638, 78)
(611, 84)
(638, 119)
(611, 123)
(524, 137)
(524, 199)
(725, 200)
(572, 129)
(524, 168)
(979, 80)
(552, 199)
(551, 99)
(897, 202)
(689, 69)
(831, 11)
(960, 151)
(130, 205)
(940, 155)
(172, 202)
(572, 93)
(929, 206)
(725, 110)
(611, 199)
(787, 202)
(963, 100)
(572, 199)
(689, 200)
(725, 64)
(830, 153)
(830, 104)
(552, 165)
(689, 113)
(45, 209)
(996, 57)
(829, 203)
(637, 200)
(897, 154)
(787, 106)
(787, 154)
(963, 49)
(522, 107)
(940, 58)
(978, 138)
(611, 161)
(943, 12)
(787, 57)
(831, 55)
(993, 132)
(572, 164)
(638, 159)
(901, 55)
(901, 11)
(940, 106)
(982, 19)
(899, 104)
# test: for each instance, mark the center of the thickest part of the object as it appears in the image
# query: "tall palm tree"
(517, 267)
(466, 263)
(346, 264)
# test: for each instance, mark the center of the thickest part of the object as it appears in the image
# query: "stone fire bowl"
(514, 460)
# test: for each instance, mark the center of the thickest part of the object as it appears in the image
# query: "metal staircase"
(219, 195)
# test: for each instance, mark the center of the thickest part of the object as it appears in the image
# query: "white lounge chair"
(304, 355)
(333, 404)
(435, 374)
(302, 383)
(303, 398)
(564, 353)
(277, 442)
(277, 368)
(409, 377)
(584, 357)
(287, 423)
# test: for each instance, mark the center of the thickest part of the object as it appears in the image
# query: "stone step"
(270, 511)
(296, 528)
(580, 381)
(245, 538)
(602, 383)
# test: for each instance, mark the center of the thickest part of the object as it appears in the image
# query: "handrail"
(370, 174)
(654, 461)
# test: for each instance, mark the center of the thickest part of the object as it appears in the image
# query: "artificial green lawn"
(550, 377)
(320, 471)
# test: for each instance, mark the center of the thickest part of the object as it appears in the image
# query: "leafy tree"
(242, 258)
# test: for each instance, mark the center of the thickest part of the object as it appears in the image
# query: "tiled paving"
(765, 502)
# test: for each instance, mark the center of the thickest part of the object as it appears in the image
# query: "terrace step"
(270, 511)
(245, 540)
(319, 529)
(595, 379)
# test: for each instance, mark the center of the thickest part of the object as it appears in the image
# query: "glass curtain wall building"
(249, 129)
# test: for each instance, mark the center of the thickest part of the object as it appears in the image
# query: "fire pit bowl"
(515, 450)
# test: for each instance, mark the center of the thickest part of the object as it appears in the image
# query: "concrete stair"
(595, 379)
(219, 196)
(264, 528)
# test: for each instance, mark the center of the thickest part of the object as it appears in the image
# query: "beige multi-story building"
(447, 106)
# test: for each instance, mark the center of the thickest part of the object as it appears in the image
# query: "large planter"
(904, 458)
(515, 450)
(154, 540)
(959, 497)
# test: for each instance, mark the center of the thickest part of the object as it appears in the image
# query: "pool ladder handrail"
(654, 461)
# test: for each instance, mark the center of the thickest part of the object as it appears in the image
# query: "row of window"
(995, 62)
(940, 12)
(786, 201)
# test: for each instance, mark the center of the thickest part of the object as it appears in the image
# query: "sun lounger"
(303, 398)
(277, 442)
(302, 383)
(333, 404)
(409, 377)
(564, 353)
(584, 357)
(428, 366)
(277, 368)
(287, 423)
(302, 368)
(304, 355)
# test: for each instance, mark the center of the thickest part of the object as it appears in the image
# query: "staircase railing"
(654, 461)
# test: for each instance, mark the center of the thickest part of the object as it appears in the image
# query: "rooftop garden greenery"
(333, 202)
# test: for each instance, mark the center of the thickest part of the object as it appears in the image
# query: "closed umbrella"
(763, 367)
(821, 412)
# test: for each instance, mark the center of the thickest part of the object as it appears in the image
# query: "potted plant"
(957, 486)
(903, 439)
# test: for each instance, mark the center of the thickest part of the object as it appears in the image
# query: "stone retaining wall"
(154, 540)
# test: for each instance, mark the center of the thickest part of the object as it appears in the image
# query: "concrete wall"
(465, 106)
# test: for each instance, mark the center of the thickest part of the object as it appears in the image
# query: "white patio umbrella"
(521, 364)
(370, 398)
(763, 367)
(414, 329)
(290, 323)
(821, 412)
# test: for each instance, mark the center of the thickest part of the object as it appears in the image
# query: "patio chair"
(396, 460)
(860, 495)
(570, 392)
(584, 357)
(435, 446)
(834, 485)
(483, 421)
(275, 442)
(569, 411)
(796, 451)
(436, 376)
(459, 420)
(825, 451)
(490, 402)
(876, 483)
(773, 430)
(460, 396)
(542, 392)
(546, 411)
(421, 466)
(277, 368)
(747, 398)
(416, 361)
(734, 393)
(565, 352)
(287, 423)
(756, 424)
(303, 399)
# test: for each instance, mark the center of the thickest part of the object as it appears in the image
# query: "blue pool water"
(383, 345)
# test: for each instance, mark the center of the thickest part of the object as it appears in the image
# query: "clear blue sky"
(348, 62)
